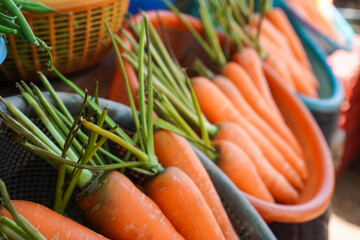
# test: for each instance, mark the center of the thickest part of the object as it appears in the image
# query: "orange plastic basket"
(318, 190)
(78, 39)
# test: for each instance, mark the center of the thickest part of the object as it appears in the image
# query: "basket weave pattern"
(78, 40)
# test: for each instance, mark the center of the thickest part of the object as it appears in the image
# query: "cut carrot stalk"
(240, 169)
(276, 183)
(282, 23)
(174, 150)
(237, 99)
(218, 108)
(49, 223)
(132, 213)
(183, 204)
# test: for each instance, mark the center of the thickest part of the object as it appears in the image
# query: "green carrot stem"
(11, 234)
(59, 187)
(199, 67)
(127, 84)
(170, 63)
(50, 127)
(212, 54)
(138, 153)
(31, 126)
(251, 10)
(150, 107)
(183, 109)
(163, 67)
(34, 130)
(19, 219)
(113, 166)
(141, 90)
(92, 104)
(211, 33)
(56, 98)
(20, 19)
(14, 227)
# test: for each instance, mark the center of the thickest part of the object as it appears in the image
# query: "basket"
(78, 39)
(344, 31)
(137, 5)
(3, 50)
(326, 108)
(318, 190)
(22, 183)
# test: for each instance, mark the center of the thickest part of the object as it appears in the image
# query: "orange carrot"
(49, 223)
(217, 108)
(282, 23)
(241, 170)
(278, 186)
(308, 10)
(119, 210)
(174, 150)
(275, 135)
(304, 80)
(252, 63)
(281, 69)
(273, 34)
(183, 204)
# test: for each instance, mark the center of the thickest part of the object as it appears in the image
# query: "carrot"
(278, 186)
(304, 80)
(217, 108)
(273, 34)
(251, 62)
(182, 202)
(237, 99)
(281, 69)
(174, 150)
(119, 210)
(241, 170)
(49, 223)
(282, 23)
(312, 15)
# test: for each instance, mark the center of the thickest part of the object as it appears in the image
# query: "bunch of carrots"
(179, 200)
(239, 123)
(316, 13)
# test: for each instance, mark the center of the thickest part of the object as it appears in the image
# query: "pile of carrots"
(317, 14)
(230, 115)
(285, 53)
(252, 139)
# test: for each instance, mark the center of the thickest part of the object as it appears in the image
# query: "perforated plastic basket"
(79, 39)
(30, 178)
(318, 189)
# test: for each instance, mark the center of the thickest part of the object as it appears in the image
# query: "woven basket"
(30, 178)
(316, 195)
(79, 39)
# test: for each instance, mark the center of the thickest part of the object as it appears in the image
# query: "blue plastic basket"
(136, 5)
(345, 32)
(3, 50)
(325, 109)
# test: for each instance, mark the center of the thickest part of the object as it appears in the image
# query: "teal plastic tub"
(3, 50)
(325, 109)
(303, 28)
